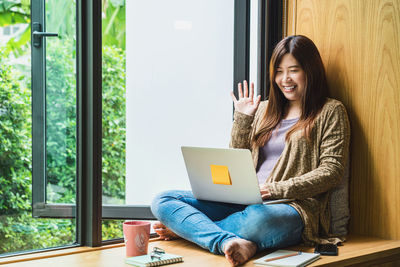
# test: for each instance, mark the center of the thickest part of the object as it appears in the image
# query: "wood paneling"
(359, 41)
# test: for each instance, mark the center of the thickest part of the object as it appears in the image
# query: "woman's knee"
(158, 200)
(161, 199)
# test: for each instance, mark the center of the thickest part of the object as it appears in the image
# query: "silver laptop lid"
(223, 175)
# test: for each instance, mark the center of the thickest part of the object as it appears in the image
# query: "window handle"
(37, 34)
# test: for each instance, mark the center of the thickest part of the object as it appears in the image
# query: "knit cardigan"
(307, 170)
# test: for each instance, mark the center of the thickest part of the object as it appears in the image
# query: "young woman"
(299, 141)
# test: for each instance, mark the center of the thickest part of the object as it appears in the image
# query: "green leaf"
(9, 18)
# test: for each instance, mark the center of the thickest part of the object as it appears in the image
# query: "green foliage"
(15, 142)
(21, 232)
(113, 23)
(112, 229)
(114, 122)
(16, 12)
(61, 119)
(61, 18)
(18, 230)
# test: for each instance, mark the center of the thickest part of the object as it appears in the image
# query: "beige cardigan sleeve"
(241, 130)
(244, 127)
(333, 137)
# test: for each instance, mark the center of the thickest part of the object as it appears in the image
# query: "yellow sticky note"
(220, 174)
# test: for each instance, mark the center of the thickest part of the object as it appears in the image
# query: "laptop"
(223, 175)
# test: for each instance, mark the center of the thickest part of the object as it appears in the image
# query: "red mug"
(136, 237)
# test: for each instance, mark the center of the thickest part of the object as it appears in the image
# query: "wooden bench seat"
(357, 251)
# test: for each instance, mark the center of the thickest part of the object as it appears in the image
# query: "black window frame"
(271, 15)
(89, 210)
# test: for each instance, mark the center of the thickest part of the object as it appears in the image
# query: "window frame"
(271, 16)
(89, 210)
(38, 111)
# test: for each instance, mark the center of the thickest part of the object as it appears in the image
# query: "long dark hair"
(313, 98)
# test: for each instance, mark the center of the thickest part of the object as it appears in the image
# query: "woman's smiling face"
(291, 79)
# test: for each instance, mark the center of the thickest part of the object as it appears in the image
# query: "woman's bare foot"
(164, 232)
(238, 251)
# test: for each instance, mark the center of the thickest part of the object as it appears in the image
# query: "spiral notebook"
(145, 260)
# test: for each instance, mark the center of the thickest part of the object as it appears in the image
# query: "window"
(112, 208)
(19, 230)
(54, 108)
(7, 30)
(179, 75)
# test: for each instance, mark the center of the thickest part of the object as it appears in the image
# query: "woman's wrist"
(243, 118)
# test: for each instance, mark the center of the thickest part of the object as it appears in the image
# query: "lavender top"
(272, 150)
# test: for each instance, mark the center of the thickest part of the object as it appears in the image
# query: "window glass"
(179, 76)
(113, 85)
(60, 102)
(114, 129)
(19, 230)
(112, 229)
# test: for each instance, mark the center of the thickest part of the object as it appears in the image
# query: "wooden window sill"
(357, 251)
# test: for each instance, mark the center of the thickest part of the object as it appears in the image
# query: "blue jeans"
(211, 224)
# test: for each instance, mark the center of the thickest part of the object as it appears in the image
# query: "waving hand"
(246, 104)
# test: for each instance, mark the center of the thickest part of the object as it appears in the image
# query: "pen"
(284, 256)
